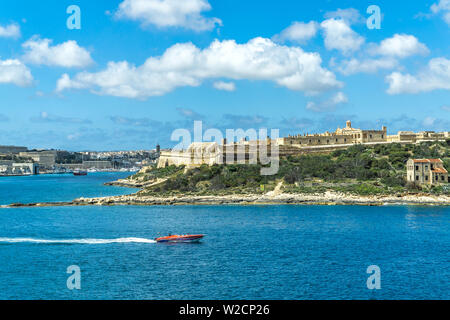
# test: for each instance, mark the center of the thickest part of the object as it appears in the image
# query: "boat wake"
(76, 241)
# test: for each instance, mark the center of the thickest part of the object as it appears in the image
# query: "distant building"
(12, 168)
(69, 166)
(412, 137)
(347, 135)
(5, 167)
(426, 171)
(198, 153)
(87, 164)
(210, 153)
(45, 158)
(97, 164)
(25, 168)
(12, 149)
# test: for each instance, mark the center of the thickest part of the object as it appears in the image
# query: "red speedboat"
(178, 238)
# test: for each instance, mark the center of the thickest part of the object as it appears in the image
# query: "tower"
(348, 124)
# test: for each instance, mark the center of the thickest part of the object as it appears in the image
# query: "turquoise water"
(250, 252)
(59, 187)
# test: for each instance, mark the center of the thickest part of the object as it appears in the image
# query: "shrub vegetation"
(360, 169)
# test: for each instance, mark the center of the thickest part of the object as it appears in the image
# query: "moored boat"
(180, 238)
(80, 173)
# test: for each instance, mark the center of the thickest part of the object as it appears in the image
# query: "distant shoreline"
(67, 173)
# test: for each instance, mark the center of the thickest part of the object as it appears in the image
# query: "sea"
(249, 252)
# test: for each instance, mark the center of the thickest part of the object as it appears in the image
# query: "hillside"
(360, 169)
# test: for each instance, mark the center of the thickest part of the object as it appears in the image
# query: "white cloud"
(10, 31)
(428, 121)
(401, 46)
(443, 6)
(434, 77)
(73, 136)
(389, 51)
(447, 18)
(354, 65)
(189, 114)
(298, 32)
(339, 36)
(350, 15)
(67, 54)
(15, 72)
(65, 83)
(226, 86)
(169, 13)
(45, 117)
(186, 65)
(446, 108)
(340, 97)
(327, 105)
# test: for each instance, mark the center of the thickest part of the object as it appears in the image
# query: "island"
(358, 175)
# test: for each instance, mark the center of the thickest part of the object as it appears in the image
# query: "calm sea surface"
(250, 252)
(59, 187)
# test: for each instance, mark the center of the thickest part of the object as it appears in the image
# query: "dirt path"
(277, 191)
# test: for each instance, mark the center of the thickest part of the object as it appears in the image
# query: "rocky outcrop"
(327, 198)
(135, 183)
(128, 183)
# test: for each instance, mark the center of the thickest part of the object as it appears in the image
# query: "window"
(370, 136)
(382, 136)
(336, 140)
(442, 178)
(417, 168)
(417, 178)
(426, 178)
(345, 140)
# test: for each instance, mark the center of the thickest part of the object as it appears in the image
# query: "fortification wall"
(246, 151)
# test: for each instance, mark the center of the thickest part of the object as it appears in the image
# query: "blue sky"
(139, 69)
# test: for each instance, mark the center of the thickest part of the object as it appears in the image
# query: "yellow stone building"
(245, 151)
(347, 135)
(426, 172)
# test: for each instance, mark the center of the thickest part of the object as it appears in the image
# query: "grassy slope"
(363, 170)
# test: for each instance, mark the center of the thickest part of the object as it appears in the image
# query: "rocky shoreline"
(327, 198)
(125, 183)
(128, 183)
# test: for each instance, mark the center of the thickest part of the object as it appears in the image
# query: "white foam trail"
(77, 241)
